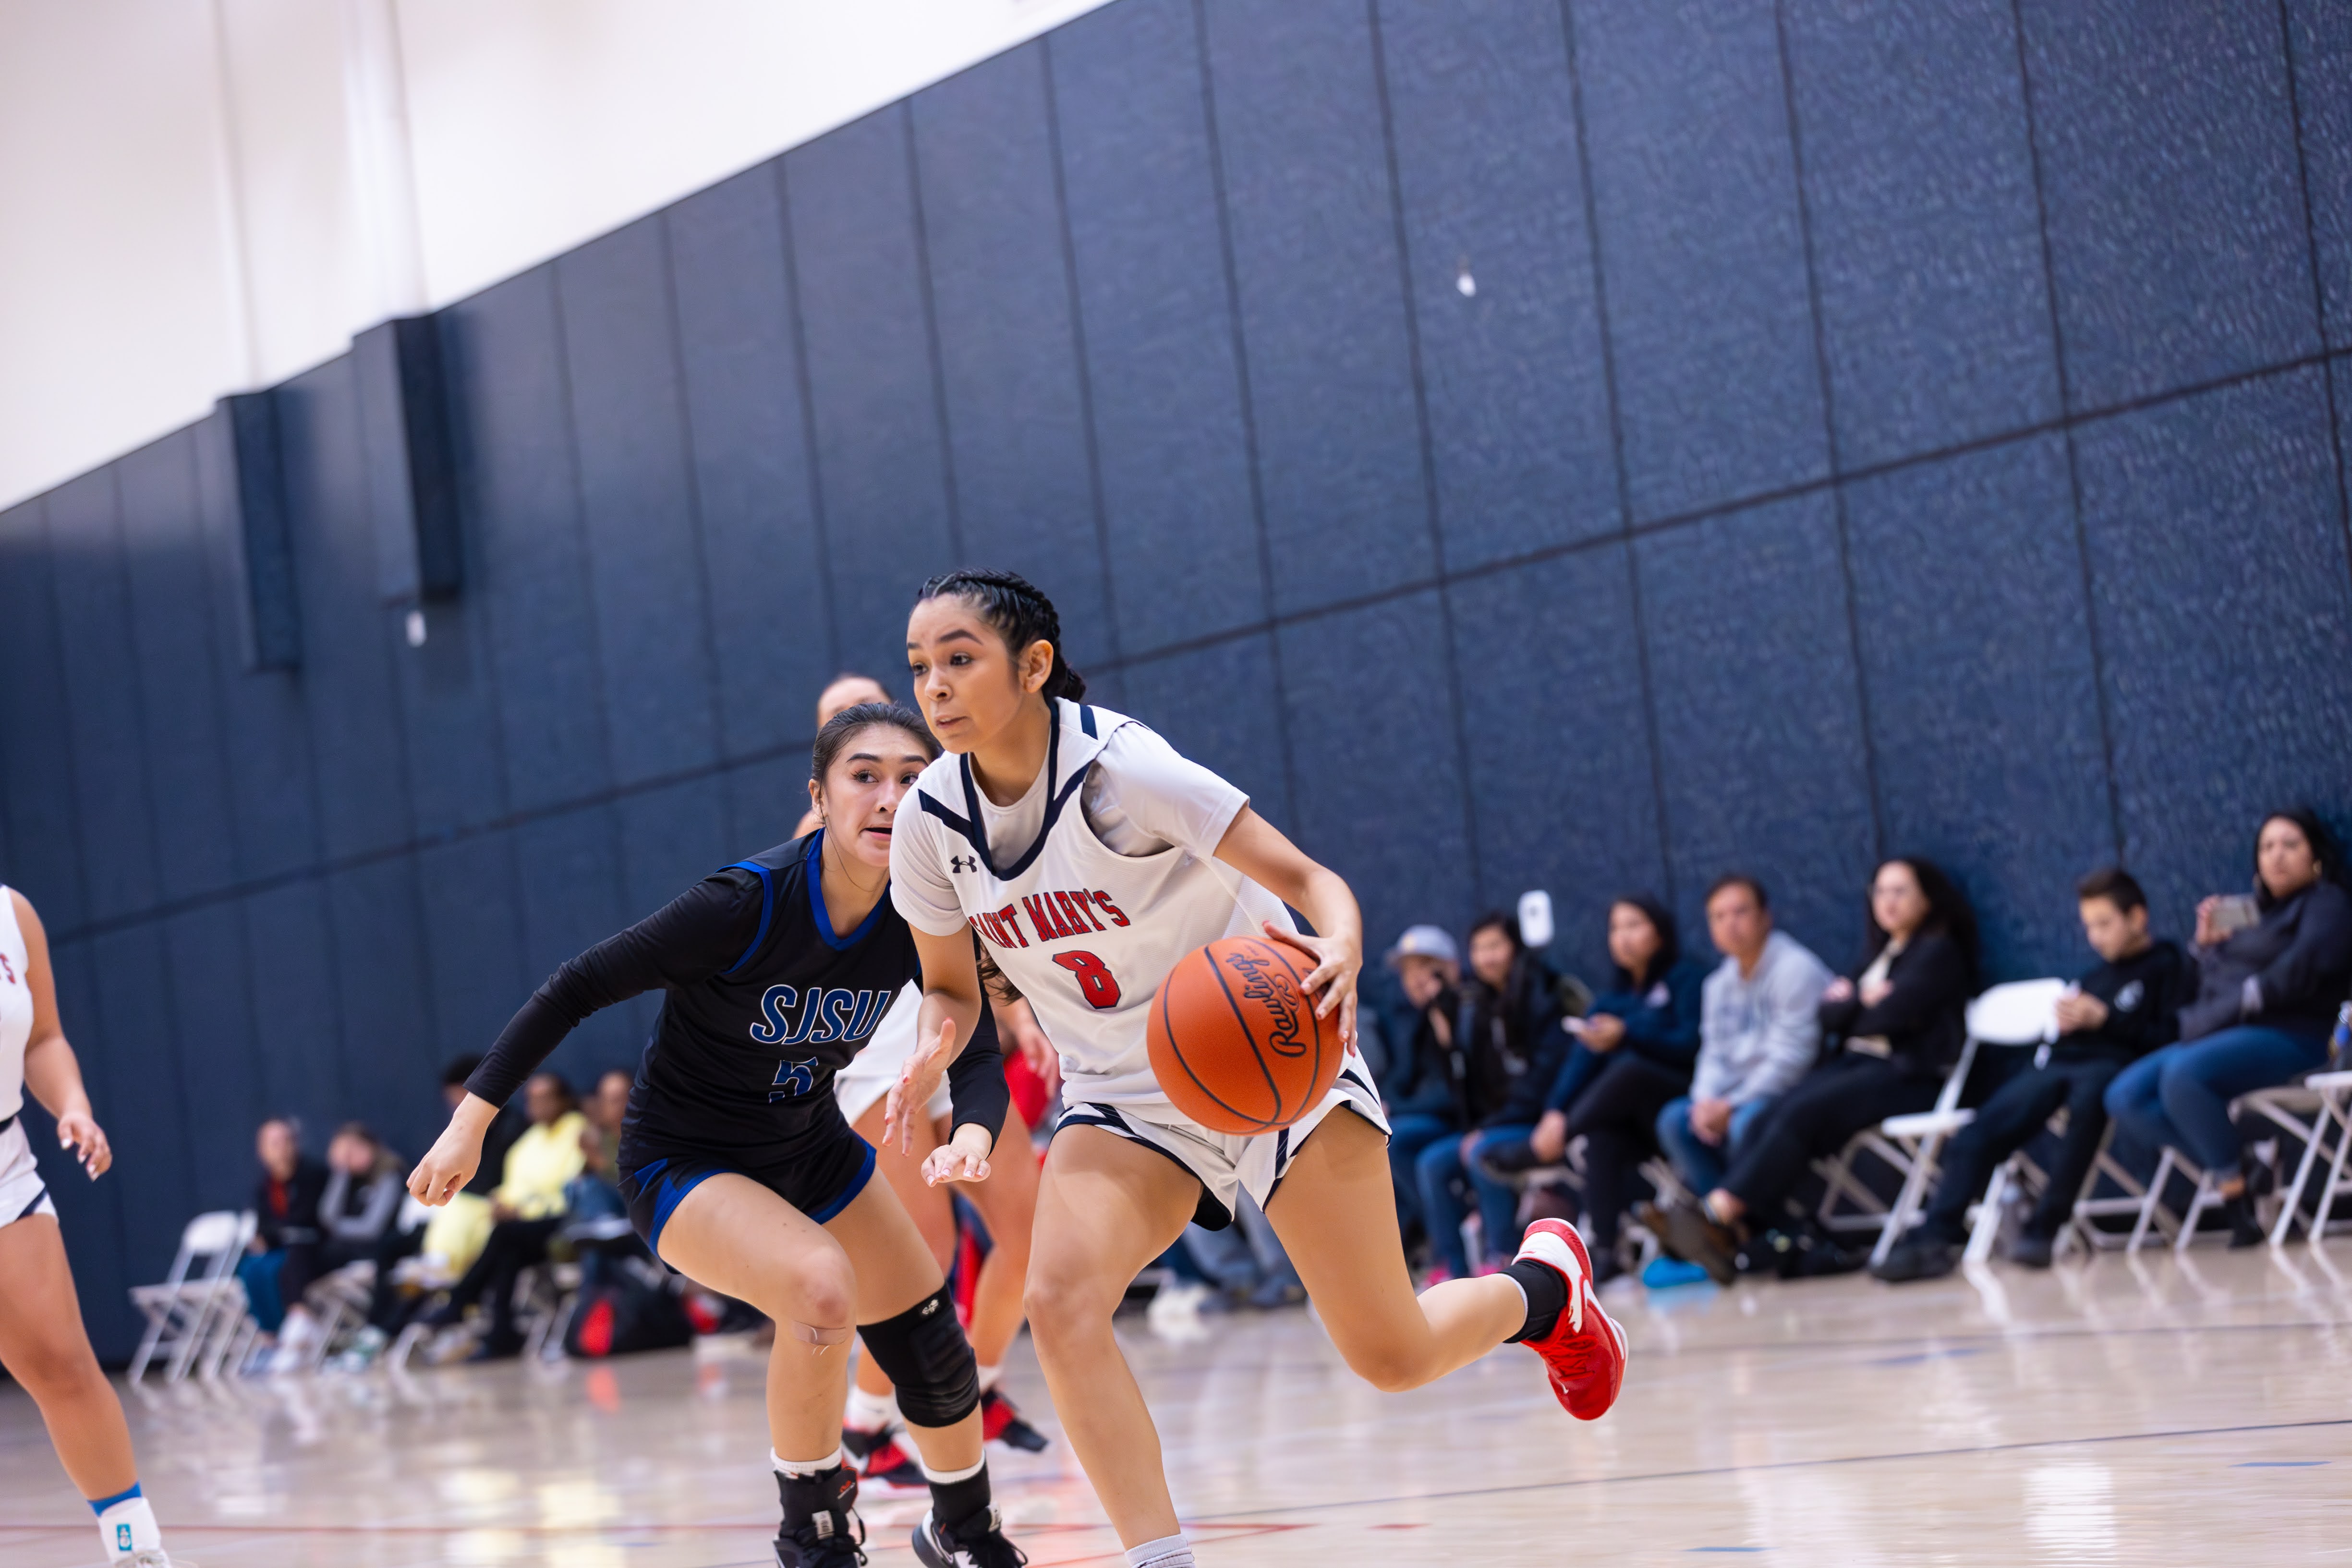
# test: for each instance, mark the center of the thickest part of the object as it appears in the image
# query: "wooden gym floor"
(2125, 1412)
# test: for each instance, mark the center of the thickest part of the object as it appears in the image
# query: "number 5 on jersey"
(1095, 981)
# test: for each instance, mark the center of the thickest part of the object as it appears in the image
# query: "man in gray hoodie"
(1759, 1029)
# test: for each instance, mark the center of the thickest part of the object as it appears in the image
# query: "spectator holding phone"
(2272, 971)
(1642, 1035)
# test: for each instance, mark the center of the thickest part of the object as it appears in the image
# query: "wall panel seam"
(809, 443)
(923, 283)
(2318, 286)
(1430, 503)
(1625, 532)
(691, 450)
(1871, 787)
(1248, 408)
(2073, 462)
(1078, 342)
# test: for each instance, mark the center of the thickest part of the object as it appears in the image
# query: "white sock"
(128, 1525)
(950, 1478)
(869, 1412)
(1168, 1551)
(988, 1376)
(801, 1469)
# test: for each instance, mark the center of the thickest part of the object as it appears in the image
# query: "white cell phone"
(2233, 912)
(1535, 918)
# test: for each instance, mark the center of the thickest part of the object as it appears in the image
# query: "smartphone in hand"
(2234, 912)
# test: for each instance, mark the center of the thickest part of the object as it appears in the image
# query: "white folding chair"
(2020, 1013)
(183, 1311)
(2331, 1114)
(2284, 1108)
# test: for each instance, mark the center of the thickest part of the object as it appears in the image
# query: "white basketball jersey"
(15, 1009)
(1088, 934)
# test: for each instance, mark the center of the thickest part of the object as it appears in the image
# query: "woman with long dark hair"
(737, 1165)
(1093, 857)
(2272, 971)
(1902, 1020)
(42, 1342)
(1643, 1032)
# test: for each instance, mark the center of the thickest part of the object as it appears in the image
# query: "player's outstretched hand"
(455, 1156)
(78, 1131)
(1337, 961)
(918, 1082)
(962, 1158)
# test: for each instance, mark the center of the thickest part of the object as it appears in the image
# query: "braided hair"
(1020, 613)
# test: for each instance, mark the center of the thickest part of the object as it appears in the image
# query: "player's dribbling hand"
(78, 1131)
(962, 1158)
(1337, 961)
(918, 1082)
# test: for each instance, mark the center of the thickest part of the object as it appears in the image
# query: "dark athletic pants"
(1617, 1116)
(514, 1246)
(2009, 1121)
(1837, 1100)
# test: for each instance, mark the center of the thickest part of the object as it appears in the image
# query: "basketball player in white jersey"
(41, 1339)
(1090, 857)
(1007, 1202)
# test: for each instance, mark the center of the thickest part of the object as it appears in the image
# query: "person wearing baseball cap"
(1418, 1089)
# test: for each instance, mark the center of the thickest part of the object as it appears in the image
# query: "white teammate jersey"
(1086, 933)
(15, 1009)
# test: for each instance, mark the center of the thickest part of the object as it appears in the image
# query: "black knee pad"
(925, 1355)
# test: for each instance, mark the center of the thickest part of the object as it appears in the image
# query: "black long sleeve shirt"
(763, 1002)
(1924, 1018)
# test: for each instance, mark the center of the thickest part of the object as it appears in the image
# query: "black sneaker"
(1001, 1423)
(978, 1543)
(1696, 1236)
(2031, 1251)
(2245, 1230)
(1917, 1256)
(821, 1527)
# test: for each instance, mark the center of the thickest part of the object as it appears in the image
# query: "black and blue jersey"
(763, 1002)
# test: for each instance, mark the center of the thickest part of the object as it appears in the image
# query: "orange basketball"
(1234, 1038)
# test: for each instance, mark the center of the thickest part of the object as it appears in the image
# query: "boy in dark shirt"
(2120, 1011)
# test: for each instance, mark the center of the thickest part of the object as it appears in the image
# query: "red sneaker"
(891, 1470)
(1585, 1350)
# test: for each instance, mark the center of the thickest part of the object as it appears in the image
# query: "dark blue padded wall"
(1591, 445)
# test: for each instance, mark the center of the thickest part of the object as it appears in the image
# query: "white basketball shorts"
(22, 1191)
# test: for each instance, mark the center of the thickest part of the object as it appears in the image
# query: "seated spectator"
(1642, 1033)
(527, 1210)
(1901, 1022)
(283, 1257)
(1417, 1087)
(1245, 1261)
(361, 1193)
(2272, 973)
(2127, 1006)
(594, 1193)
(1508, 1034)
(1760, 1030)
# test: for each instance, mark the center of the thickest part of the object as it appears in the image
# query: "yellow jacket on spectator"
(541, 1161)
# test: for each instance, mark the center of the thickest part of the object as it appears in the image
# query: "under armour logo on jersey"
(792, 1080)
(963, 862)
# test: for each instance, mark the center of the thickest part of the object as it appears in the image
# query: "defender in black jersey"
(738, 1167)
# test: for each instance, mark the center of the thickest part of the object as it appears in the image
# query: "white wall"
(185, 206)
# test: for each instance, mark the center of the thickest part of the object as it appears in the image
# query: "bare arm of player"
(1254, 847)
(951, 1016)
(52, 1071)
(455, 1156)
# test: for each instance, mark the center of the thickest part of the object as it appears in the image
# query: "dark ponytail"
(1020, 615)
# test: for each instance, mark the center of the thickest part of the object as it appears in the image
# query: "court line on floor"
(1989, 1336)
(1720, 1471)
